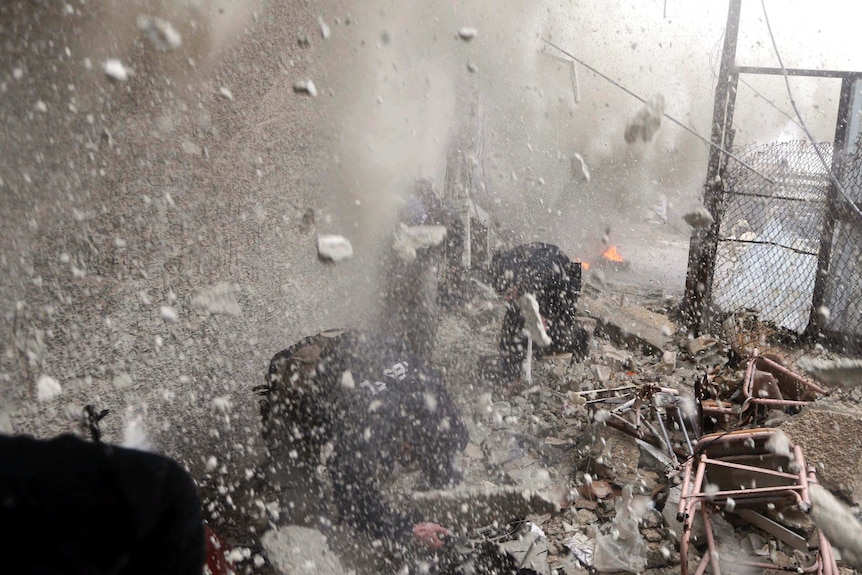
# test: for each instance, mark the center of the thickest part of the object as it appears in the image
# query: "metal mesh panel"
(770, 232)
(843, 291)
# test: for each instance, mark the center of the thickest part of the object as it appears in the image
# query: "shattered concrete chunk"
(161, 33)
(115, 70)
(301, 550)
(838, 523)
(844, 372)
(699, 218)
(48, 388)
(467, 33)
(333, 248)
(480, 505)
(629, 324)
(579, 168)
(305, 87)
(408, 239)
(647, 121)
(218, 299)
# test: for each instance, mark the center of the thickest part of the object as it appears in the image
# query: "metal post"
(815, 320)
(704, 242)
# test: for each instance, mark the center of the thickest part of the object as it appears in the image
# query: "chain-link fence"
(770, 233)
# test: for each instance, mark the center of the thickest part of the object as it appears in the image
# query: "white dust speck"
(168, 313)
(305, 87)
(601, 416)
(325, 32)
(161, 34)
(17, 73)
(41, 106)
(218, 299)
(222, 404)
(824, 313)
(347, 381)
(730, 504)
(225, 93)
(134, 433)
(122, 381)
(779, 444)
(333, 248)
(430, 402)
(467, 33)
(115, 70)
(47, 388)
(211, 464)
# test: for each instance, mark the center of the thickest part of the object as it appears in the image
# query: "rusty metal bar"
(833, 201)
(704, 242)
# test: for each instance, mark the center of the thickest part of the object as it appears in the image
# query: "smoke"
(406, 89)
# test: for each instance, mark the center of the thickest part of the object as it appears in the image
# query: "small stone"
(333, 248)
(305, 87)
(115, 70)
(467, 33)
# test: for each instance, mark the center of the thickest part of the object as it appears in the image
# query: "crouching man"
(548, 274)
(361, 406)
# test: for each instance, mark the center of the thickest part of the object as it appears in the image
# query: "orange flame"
(584, 265)
(612, 254)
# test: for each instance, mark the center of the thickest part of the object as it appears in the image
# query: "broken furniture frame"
(657, 416)
(716, 478)
(769, 384)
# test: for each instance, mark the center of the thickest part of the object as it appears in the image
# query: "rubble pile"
(616, 487)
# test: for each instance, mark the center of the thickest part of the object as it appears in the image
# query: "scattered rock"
(301, 550)
(305, 87)
(325, 31)
(48, 388)
(333, 248)
(699, 218)
(466, 33)
(115, 70)
(161, 34)
(647, 121)
(218, 299)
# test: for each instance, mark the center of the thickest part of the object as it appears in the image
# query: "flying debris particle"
(218, 299)
(699, 218)
(222, 404)
(115, 70)
(845, 372)
(305, 87)
(225, 93)
(304, 41)
(47, 388)
(824, 313)
(168, 313)
(17, 73)
(211, 464)
(41, 106)
(347, 381)
(580, 169)
(161, 34)
(122, 381)
(333, 248)
(779, 444)
(325, 32)
(471, 67)
(466, 33)
(647, 121)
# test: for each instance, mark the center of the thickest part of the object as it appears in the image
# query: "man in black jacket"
(72, 506)
(546, 272)
(371, 405)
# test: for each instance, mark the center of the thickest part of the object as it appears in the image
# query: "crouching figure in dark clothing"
(363, 405)
(547, 273)
(71, 506)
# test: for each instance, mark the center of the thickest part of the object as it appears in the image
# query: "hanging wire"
(802, 124)
(665, 114)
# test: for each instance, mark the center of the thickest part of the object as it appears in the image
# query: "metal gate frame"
(704, 241)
